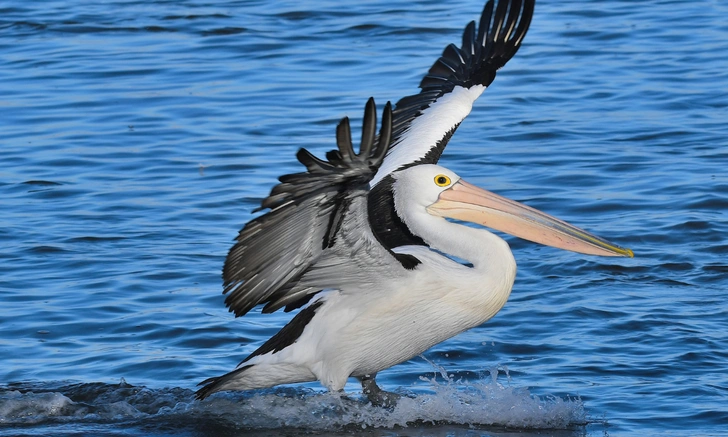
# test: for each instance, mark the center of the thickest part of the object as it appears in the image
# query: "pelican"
(362, 242)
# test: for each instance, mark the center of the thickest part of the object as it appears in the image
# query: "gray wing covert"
(307, 212)
(357, 262)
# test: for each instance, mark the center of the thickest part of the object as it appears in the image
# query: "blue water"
(136, 138)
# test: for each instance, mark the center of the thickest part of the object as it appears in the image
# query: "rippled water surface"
(136, 138)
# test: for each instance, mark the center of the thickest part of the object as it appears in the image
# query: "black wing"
(423, 123)
(274, 250)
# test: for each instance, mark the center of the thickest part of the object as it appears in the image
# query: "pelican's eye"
(442, 181)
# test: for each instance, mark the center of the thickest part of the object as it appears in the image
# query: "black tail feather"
(212, 385)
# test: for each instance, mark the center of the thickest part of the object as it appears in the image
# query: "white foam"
(31, 407)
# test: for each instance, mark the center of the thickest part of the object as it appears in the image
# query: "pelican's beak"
(464, 201)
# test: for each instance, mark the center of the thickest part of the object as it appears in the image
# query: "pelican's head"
(442, 193)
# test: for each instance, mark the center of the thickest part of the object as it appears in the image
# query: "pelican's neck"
(480, 247)
(487, 285)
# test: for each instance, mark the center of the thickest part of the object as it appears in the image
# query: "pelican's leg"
(377, 396)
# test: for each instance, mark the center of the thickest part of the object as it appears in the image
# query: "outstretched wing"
(307, 209)
(423, 123)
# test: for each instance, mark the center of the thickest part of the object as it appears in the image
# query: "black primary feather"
(499, 35)
(306, 209)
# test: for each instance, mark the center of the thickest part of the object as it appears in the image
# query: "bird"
(368, 245)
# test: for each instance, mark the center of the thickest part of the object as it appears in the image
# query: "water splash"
(482, 403)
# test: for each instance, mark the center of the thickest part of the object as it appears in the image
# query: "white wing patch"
(428, 128)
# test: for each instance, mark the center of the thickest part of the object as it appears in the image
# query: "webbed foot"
(377, 396)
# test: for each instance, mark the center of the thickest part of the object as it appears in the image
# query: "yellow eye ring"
(442, 181)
